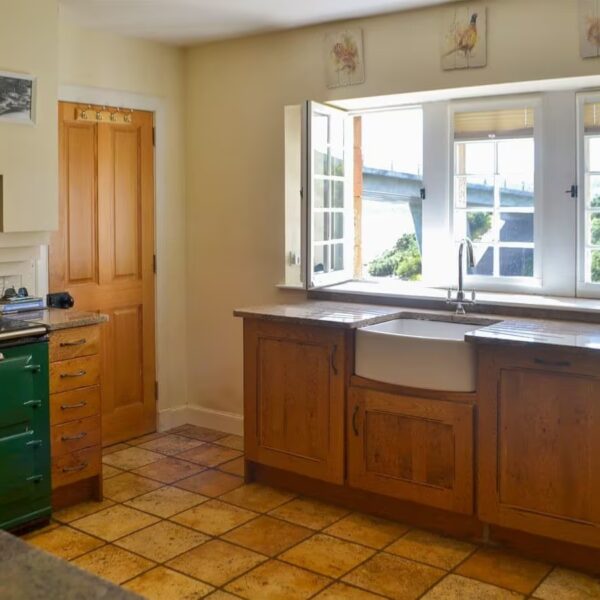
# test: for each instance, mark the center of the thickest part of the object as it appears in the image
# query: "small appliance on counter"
(25, 490)
(13, 301)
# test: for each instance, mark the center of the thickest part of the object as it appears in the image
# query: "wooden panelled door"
(103, 254)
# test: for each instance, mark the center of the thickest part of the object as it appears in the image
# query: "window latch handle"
(573, 191)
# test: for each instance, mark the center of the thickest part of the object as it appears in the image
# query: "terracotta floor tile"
(164, 584)
(169, 470)
(236, 442)
(568, 585)
(114, 564)
(394, 577)
(114, 522)
(310, 513)
(29, 534)
(235, 466)
(211, 483)
(216, 562)
(145, 438)
(343, 591)
(77, 511)
(131, 458)
(209, 455)
(171, 444)
(166, 501)
(327, 555)
(162, 541)
(257, 497)
(455, 587)
(267, 535)
(65, 542)
(221, 595)
(504, 569)
(432, 549)
(276, 580)
(214, 517)
(367, 530)
(108, 471)
(114, 448)
(199, 433)
(128, 485)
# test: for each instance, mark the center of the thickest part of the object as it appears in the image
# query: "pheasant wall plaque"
(464, 38)
(589, 28)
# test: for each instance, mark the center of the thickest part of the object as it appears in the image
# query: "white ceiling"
(189, 21)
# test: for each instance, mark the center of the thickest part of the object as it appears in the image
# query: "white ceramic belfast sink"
(418, 353)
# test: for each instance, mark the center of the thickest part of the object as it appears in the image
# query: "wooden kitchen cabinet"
(411, 448)
(294, 390)
(539, 442)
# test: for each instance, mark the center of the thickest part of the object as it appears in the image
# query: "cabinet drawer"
(76, 373)
(75, 435)
(74, 343)
(76, 466)
(74, 405)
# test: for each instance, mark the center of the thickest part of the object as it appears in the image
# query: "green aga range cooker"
(24, 424)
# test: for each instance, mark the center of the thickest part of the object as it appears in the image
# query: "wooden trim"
(358, 191)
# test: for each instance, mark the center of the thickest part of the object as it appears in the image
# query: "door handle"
(354, 420)
(33, 368)
(33, 403)
(73, 438)
(80, 373)
(35, 478)
(79, 467)
(34, 443)
(80, 342)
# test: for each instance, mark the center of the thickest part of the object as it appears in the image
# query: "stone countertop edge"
(55, 319)
(27, 573)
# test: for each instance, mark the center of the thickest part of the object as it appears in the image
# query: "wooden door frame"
(155, 105)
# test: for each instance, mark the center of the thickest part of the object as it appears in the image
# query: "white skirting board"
(203, 417)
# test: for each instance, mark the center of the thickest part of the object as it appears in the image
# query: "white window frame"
(492, 283)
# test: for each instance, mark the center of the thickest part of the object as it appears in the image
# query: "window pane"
(516, 227)
(516, 156)
(593, 154)
(516, 190)
(479, 226)
(338, 194)
(338, 257)
(321, 162)
(337, 226)
(593, 191)
(479, 158)
(474, 192)
(320, 132)
(484, 261)
(516, 262)
(321, 259)
(594, 259)
(321, 193)
(337, 162)
(321, 226)
(594, 224)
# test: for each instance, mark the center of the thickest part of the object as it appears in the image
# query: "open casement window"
(494, 192)
(329, 198)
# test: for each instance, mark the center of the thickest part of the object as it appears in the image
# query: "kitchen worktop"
(494, 328)
(27, 573)
(57, 318)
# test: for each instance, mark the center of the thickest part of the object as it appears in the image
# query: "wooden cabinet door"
(103, 255)
(539, 433)
(414, 449)
(294, 381)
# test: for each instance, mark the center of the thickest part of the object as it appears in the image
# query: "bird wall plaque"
(464, 38)
(589, 28)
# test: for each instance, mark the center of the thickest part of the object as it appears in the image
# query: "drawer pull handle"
(73, 438)
(80, 342)
(35, 478)
(80, 373)
(552, 363)
(34, 443)
(80, 467)
(69, 406)
(354, 422)
(33, 403)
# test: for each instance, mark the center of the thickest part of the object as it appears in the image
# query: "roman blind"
(591, 117)
(510, 123)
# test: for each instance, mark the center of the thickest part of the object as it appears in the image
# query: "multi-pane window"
(591, 257)
(494, 195)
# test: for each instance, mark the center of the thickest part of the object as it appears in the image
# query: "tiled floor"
(179, 523)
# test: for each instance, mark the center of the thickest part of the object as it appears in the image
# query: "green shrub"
(402, 261)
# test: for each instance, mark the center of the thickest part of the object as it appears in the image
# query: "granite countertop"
(346, 315)
(492, 328)
(27, 573)
(59, 318)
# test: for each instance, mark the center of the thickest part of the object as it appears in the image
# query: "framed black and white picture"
(17, 98)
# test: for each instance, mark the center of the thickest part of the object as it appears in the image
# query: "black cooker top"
(14, 329)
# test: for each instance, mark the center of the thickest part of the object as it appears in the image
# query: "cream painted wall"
(236, 95)
(112, 62)
(28, 154)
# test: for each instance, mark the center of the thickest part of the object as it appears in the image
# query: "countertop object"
(345, 315)
(27, 573)
(57, 318)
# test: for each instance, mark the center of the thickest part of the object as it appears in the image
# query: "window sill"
(398, 292)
